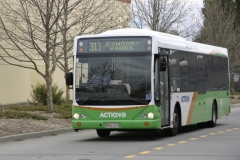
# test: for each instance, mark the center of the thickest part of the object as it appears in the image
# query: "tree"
(162, 15)
(237, 4)
(94, 17)
(29, 30)
(218, 28)
(36, 33)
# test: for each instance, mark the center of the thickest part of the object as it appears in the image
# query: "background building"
(16, 82)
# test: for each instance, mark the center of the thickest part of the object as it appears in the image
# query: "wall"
(16, 82)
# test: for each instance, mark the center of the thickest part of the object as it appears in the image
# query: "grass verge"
(18, 112)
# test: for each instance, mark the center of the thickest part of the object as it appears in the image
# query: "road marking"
(181, 142)
(203, 136)
(158, 148)
(130, 156)
(192, 139)
(212, 133)
(144, 152)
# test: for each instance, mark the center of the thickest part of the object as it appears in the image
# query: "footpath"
(21, 137)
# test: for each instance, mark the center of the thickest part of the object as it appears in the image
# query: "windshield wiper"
(143, 101)
(102, 99)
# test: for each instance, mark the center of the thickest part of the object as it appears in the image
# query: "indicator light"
(80, 50)
(146, 124)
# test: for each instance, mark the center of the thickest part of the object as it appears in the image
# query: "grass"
(64, 110)
(18, 112)
(18, 115)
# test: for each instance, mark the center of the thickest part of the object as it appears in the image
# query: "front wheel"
(213, 122)
(103, 133)
(176, 124)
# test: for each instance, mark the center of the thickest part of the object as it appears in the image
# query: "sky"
(199, 3)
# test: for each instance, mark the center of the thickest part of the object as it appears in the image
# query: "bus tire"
(103, 132)
(176, 124)
(212, 123)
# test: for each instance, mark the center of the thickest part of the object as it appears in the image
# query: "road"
(219, 143)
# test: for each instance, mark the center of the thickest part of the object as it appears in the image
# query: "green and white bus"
(136, 79)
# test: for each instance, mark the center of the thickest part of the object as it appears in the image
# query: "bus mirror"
(163, 65)
(183, 63)
(173, 61)
(69, 78)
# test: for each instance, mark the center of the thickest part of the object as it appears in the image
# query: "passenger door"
(164, 93)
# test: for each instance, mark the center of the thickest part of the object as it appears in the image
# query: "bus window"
(81, 72)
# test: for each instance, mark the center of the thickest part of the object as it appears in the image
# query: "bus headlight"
(83, 116)
(150, 115)
(76, 115)
(143, 115)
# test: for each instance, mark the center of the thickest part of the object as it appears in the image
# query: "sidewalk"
(21, 137)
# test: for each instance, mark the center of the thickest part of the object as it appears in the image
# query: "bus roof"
(167, 41)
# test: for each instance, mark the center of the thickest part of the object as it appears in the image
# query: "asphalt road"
(219, 143)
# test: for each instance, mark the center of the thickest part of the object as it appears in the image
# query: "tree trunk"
(67, 93)
(48, 80)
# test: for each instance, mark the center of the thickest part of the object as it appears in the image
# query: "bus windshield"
(118, 80)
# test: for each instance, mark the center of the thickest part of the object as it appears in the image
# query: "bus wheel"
(103, 133)
(176, 124)
(213, 122)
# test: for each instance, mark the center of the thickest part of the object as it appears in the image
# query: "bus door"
(164, 90)
(161, 81)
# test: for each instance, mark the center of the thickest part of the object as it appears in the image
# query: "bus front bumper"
(116, 124)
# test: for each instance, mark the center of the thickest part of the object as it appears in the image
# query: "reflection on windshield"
(113, 80)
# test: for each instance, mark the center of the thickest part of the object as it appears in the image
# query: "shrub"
(64, 110)
(39, 94)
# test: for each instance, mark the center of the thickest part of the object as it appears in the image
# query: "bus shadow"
(130, 136)
(195, 128)
(144, 135)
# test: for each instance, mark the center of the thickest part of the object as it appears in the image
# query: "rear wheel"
(176, 124)
(213, 122)
(103, 133)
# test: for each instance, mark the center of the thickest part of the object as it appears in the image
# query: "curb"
(235, 105)
(21, 137)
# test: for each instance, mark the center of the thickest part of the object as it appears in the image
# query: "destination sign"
(108, 45)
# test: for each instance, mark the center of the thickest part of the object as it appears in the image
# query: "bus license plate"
(112, 125)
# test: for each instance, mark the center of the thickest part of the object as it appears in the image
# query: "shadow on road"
(144, 135)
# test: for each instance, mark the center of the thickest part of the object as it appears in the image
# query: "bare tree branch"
(219, 29)
(163, 16)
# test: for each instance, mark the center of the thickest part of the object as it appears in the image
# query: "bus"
(138, 79)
